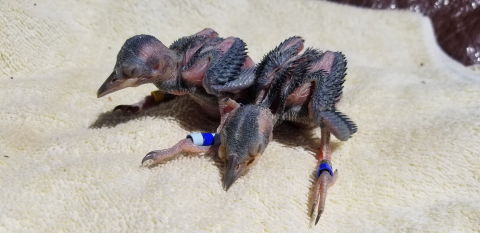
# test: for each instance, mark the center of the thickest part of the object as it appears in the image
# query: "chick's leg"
(149, 101)
(326, 178)
(194, 143)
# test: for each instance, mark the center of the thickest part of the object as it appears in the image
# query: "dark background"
(456, 23)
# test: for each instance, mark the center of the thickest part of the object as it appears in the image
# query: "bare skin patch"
(325, 63)
(300, 95)
(226, 45)
(194, 75)
(248, 63)
(295, 42)
(208, 32)
(189, 53)
(148, 50)
(265, 123)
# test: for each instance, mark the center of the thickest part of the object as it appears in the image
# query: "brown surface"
(456, 23)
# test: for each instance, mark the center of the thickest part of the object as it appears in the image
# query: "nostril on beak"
(113, 80)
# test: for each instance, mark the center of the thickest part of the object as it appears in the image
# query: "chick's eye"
(135, 72)
(251, 161)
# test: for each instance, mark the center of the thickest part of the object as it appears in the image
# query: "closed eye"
(251, 161)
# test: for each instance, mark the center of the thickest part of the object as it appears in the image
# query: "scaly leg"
(194, 143)
(326, 178)
(148, 102)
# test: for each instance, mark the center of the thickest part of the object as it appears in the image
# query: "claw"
(150, 156)
(324, 182)
(184, 145)
(159, 155)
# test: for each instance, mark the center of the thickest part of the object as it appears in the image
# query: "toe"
(325, 181)
(150, 156)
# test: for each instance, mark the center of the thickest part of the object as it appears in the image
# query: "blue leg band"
(207, 139)
(324, 166)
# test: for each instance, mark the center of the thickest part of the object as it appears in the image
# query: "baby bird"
(302, 88)
(305, 89)
(203, 66)
(287, 86)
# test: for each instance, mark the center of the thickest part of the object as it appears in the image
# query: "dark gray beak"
(233, 170)
(113, 84)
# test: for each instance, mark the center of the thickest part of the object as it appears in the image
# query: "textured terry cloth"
(456, 23)
(68, 163)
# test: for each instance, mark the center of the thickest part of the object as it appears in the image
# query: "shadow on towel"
(190, 117)
(188, 114)
(182, 109)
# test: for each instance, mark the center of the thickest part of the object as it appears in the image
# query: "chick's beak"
(233, 170)
(113, 84)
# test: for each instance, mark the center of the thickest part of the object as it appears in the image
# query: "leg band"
(158, 95)
(205, 139)
(324, 166)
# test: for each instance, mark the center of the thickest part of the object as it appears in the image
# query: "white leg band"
(205, 139)
(197, 138)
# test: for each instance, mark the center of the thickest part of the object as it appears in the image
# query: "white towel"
(67, 163)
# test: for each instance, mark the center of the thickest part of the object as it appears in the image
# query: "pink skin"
(294, 42)
(210, 33)
(226, 45)
(324, 154)
(325, 63)
(193, 76)
(189, 54)
(166, 68)
(223, 47)
(298, 97)
(226, 106)
(184, 145)
(248, 63)
(325, 180)
(272, 73)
